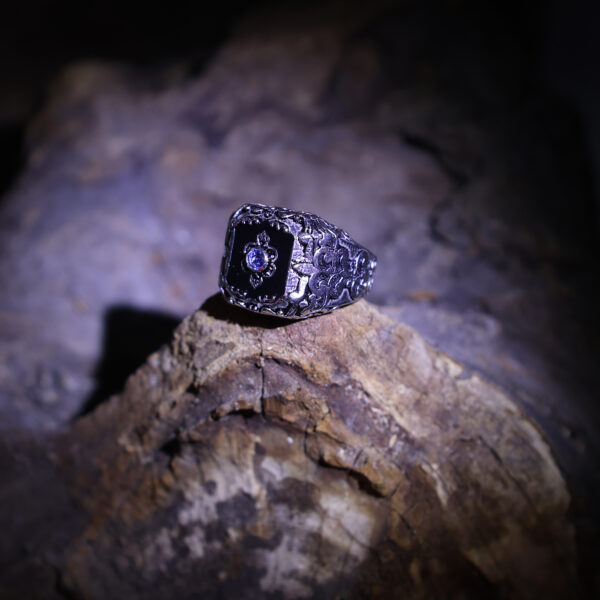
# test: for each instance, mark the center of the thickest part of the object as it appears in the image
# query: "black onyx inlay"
(238, 274)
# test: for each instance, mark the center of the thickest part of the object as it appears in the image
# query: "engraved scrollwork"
(327, 269)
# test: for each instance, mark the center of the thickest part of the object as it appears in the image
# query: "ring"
(291, 264)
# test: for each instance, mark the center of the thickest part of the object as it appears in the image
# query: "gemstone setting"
(260, 258)
(257, 260)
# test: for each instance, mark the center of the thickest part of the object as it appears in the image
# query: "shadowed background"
(458, 141)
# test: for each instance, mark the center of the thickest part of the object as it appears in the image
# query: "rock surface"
(335, 457)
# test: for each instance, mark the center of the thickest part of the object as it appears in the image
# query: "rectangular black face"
(238, 273)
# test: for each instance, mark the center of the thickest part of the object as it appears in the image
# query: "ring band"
(291, 264)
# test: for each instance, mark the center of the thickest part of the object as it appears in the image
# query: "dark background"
(38, 37)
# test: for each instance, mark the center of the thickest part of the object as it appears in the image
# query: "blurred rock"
(255, 458)
(427, 142)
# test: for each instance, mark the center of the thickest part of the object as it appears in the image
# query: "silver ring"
(291, 264)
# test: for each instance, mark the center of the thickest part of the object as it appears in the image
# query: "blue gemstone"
(256, 259)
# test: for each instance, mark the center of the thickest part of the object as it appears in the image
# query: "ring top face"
(259, 257)
(291, 264)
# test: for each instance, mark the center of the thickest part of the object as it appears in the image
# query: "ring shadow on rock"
(130, 336)
(218, 308)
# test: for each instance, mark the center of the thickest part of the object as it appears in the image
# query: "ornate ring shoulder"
(291, 264)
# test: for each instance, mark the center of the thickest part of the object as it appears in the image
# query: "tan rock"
(335, 457)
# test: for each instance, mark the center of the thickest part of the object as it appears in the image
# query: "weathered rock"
(335, 457)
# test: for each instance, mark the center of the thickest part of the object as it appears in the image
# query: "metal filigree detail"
(327, 269)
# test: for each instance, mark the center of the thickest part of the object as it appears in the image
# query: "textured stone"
(335, 457)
